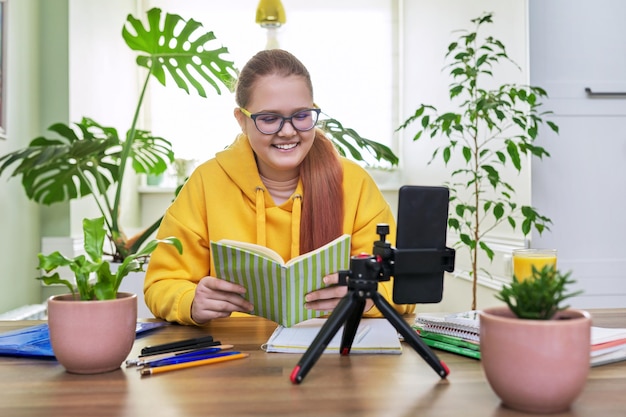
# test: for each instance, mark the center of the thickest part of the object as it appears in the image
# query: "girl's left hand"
(327, 298)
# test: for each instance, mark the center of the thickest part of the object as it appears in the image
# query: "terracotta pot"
(90, 337)
(537, 366)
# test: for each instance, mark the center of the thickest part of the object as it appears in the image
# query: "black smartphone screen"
(421, 235)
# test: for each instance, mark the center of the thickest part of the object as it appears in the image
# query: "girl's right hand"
(217, 298)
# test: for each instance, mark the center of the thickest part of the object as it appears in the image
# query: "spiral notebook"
(465, 324)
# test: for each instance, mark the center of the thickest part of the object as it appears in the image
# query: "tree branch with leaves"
(491, 130)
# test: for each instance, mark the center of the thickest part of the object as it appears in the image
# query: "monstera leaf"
(347, 139)
(88, 158)
(185, 56)
(82, 160)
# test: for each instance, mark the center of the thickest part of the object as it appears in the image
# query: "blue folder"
(34, 341)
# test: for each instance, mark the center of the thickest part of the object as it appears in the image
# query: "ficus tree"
(490, 130)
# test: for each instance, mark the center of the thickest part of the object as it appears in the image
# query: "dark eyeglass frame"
(284, 119)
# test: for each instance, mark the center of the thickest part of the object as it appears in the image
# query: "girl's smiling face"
(280, 154)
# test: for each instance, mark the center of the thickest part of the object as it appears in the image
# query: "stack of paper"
(372, 336)
(608, 345)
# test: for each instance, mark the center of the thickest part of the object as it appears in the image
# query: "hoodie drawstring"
(296, 212)
(261, 238)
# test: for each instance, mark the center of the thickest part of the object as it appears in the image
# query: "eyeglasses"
(270, 123)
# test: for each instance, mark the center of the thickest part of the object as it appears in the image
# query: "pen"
(167, 368)
(361, 334)
(178, 345)
(149, 359)
(184, 359)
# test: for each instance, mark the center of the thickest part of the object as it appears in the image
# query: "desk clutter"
(183, 354)
(459, 333)
(34, 341)
(452, 332)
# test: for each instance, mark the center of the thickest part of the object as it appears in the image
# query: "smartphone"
(421, 255)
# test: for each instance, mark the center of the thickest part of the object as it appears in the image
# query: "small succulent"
(539, 297)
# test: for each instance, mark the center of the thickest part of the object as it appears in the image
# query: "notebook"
(465, 324)
(374, 336)
(608, 345)
(275, 287)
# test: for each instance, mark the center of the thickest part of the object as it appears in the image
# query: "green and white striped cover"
(276, 289)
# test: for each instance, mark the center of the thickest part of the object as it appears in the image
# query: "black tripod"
(362, 280)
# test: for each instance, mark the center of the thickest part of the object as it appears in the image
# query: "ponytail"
(322, 204)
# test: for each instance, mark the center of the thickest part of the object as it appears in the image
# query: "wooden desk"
(373, 385)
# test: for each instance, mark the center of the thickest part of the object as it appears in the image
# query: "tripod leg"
(410, 335)
(351, 326)
(325, 335)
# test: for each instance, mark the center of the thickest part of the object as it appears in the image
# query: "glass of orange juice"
(525, 259)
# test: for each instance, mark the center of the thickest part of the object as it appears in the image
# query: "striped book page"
(275, 287)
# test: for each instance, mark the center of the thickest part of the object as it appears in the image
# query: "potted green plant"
(535, 350)
(490, 132)
(92, 328)
(91, 159)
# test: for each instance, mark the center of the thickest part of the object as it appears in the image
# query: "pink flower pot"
(537, 366)
(90, 337)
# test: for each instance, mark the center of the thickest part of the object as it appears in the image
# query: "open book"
(372, 336)
(275, 287)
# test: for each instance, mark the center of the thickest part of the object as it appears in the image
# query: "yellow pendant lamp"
(270, 15)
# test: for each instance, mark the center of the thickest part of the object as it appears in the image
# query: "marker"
(178, 345)
(167, 368)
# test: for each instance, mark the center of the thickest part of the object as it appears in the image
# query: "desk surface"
(355, 385)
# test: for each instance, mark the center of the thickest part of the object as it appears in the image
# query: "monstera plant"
(91, 159)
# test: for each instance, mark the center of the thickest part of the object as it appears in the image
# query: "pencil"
(167, 368)
(141, 361)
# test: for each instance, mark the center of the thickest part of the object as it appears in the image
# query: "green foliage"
(186, 57)
(89, 159)
(491, 131)
(348, 141)
(106, 283)
(539, 297)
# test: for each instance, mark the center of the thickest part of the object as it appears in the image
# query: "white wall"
(104, 83)
(19, 221)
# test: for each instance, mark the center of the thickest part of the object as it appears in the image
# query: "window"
(347, 46)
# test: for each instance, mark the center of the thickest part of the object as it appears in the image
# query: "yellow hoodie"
(224, 198)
